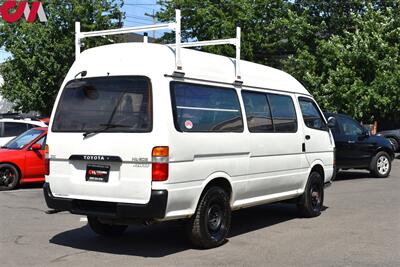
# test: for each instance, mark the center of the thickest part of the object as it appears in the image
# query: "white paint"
(261, 168)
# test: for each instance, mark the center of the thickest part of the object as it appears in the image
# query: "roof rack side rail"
(178, 44)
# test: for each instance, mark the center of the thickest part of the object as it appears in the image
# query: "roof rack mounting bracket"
(176, 26)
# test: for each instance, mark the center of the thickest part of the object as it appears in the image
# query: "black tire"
(9, 177)
(209, 226)
(311, 202)
(395, 143)
(103, 229)
(381, 165)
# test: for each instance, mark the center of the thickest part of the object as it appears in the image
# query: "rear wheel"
(209, 226)
(311, 202)
(381, 165)
(9, 177)
(109, 230)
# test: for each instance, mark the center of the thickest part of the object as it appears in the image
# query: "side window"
(283, 113)
(42, 142)
(14, 129)
(311, 115)
(200, 108)
(350, 127)
(258, 112)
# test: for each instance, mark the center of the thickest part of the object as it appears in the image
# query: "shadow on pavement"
(30, 186)
(168, 238)
(352, 175)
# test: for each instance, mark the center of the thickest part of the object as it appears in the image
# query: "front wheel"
(311, 202)
(381, 165)
(9, 177)
(109, 230)
(209, 226)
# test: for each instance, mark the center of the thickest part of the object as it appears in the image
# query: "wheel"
(311, 202)
(109, 230)
(381, 165)
(394, 143)
(9, 177)
(209, 226)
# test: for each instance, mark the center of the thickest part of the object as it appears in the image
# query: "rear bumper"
(154, 209)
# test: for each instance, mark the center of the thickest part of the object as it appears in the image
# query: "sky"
(135, 16)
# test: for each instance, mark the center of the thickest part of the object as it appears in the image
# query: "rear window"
(90, 104)
(200, 108)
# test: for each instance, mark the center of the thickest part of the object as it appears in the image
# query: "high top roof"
(156, 60)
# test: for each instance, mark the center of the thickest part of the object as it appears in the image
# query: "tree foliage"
(346, 53)
(42, 53)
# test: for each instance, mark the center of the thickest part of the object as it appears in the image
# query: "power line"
(138, 17)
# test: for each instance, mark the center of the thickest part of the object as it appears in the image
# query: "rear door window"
(201, 108)
(14, 128)
(283, 113)
(258, 112)
(121, 102)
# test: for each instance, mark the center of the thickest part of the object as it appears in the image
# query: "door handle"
(308, 137)
(351, 142)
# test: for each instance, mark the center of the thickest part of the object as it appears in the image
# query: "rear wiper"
(105, 127)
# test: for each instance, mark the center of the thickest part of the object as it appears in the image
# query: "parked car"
(393, 136)
(12, 125)
(22, 159)
(357, 149)
(136, 142)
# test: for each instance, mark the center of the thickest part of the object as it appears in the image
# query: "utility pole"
(153, 16)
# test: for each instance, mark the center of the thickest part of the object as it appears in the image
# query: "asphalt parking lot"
(360, 226)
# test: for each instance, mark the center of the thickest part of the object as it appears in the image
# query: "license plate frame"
(97, 173)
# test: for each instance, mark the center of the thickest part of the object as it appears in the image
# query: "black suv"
(357, 149)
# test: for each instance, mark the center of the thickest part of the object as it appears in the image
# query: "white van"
(134, 140)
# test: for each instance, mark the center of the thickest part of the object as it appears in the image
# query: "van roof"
(155, 59)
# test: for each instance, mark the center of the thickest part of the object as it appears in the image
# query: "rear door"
(101, 140)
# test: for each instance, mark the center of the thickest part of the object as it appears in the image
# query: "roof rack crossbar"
(178, 44)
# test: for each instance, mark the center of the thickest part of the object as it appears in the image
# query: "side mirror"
(36, 147)
(331, 122)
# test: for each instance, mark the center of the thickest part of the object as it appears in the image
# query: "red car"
(22, 159)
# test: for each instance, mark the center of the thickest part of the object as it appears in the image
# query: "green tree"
(269, 28)
(356, 72)
(346, 53)
(42, 53)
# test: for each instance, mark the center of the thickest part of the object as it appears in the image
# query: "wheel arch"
(220, 179)
(384, 149)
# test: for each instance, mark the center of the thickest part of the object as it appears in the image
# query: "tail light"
(46, 161)
(159, 166)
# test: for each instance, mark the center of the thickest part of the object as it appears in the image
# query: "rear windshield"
(89, 104)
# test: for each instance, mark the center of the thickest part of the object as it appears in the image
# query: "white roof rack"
(176, 26)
